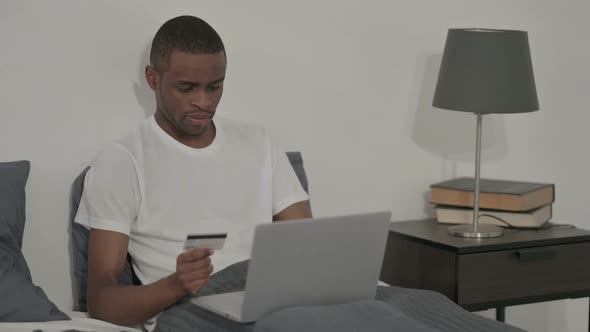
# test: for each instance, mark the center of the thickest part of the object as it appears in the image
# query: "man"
(183, 171)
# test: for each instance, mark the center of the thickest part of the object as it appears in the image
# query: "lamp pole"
(475, 230)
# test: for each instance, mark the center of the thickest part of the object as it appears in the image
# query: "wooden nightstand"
(523, 266)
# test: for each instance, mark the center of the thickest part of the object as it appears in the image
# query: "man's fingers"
(194, 255)
(192, 266)
(199, 274)
(197, 284)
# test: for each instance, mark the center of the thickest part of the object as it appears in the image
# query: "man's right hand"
(193, 269)
(125, 305)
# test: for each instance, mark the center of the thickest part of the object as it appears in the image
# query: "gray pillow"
(13, 177)
(296, 161)
(20, 299)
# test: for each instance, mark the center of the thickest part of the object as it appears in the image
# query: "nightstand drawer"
(521, 273)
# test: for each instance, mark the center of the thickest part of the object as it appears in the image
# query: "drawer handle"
(534, 255)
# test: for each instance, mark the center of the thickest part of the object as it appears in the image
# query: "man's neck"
(194, 141)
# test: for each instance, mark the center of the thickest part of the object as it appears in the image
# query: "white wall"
(347, 82)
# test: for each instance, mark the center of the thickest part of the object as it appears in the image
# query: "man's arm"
(130, 305)
(299, 210)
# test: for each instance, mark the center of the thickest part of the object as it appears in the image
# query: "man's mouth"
(198, 119)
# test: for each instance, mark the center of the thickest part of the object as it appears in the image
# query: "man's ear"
(151, 76)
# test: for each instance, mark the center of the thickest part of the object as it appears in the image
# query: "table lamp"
(485, 71)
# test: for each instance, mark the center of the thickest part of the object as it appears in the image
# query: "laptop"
(307, 262)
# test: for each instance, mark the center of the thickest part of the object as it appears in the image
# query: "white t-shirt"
(157, 190)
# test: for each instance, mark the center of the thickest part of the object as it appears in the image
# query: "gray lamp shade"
(486, 71)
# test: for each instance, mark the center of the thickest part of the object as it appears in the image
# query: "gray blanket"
(394, 309)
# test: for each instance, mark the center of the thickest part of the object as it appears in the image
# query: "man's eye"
(185, 89)
(215, 87)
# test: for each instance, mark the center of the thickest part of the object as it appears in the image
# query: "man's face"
(188, 90)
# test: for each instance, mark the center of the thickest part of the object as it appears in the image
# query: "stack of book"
(501, 203)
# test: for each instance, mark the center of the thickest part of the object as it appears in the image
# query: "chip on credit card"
(202, 241)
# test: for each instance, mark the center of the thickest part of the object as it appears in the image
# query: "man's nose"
(201, 99)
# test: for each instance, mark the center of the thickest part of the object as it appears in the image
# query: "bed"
(394, 309)
(79, 321)
(25, 307)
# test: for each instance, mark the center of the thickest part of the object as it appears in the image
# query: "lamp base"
(483, 231)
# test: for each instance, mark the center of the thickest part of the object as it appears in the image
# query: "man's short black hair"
(184, 33)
